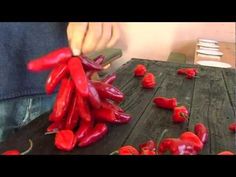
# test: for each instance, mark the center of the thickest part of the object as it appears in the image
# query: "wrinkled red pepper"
(84, 111)
(109, 79)
(148, 148)
(232, 127)
(128, 150)
(72, 117)
(17, 152)
(94, 135)
(62, 100)
(65, 140)
(56, 75)
(166, 103)
(149, 81)
(90, 64)
(194, 139)
(140, 70)
(78, 76)
(226, 153)
(201, 131)
(107, 91)
(180, 114)
(93, 96)
(50, 60)
(83, 129)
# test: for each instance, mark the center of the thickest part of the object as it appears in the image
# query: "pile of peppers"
(83, 107)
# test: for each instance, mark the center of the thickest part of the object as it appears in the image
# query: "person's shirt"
(19, 43)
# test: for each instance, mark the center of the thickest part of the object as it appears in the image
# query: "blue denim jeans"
(17, 112)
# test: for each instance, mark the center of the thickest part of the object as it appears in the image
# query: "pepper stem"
(184, 115)
(52, 132)
(29, 149)
(160, 138)
(114, 153)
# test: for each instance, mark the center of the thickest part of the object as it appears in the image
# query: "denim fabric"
(19, 43)
(15, 113)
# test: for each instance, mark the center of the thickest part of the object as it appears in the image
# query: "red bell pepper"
(50, 60)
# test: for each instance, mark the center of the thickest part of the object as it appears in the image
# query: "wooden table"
(210, 98)
(228, 50)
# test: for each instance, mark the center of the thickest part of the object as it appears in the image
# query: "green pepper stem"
(160, 138)
(114, 152)
(29, 149)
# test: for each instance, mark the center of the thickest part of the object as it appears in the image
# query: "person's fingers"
(106, 36)
(76, 32)
(115, 35)
(92, 37)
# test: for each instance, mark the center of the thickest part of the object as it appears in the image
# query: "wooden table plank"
(154, 120)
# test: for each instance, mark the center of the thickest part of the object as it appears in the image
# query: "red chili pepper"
(232, 127)
(166, 103)
(107, 104)
(147, 152)
(50, 60)
(201, 131)
(90, 64)
(226, 153)
(93, 96)
(140, 70)
(78, 75)
(56, 75)
(107, 91)
(65, 140)
(184, 70)
(84, 111)
(176, 146)
(99, 59)
(94, 135)
(83, 129)
(128, 150)
(180, 114)
(109, 79)
(149, 81)
(122, 118)
(17, 152)
(104, 114)
(149, 145)
(191, 137)
(73, 115)
(62, 100)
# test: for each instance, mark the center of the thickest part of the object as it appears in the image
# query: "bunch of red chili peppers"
(83, 107)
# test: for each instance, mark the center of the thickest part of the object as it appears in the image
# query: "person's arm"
(85, 37)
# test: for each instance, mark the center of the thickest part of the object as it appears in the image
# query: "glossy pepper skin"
(176, 146)
(93, 96)
(140, 70)
(232, 127)
(65, 140)
(50, 60)
(180, 114)
(56, 75)
(128, 150)
(72, 117)
(62, 100)
(99, 59)
(84, 110)
(83, 129)
(201, 131)
(107, 91)
(78, 76)
(56, 126)
(104, 115)
(90, 64)
(194, 139)
(148, 148)
(109, 79)
(109, 105)
(94, 135)
(166, 103)
(148, 81)
(122, 118)
(226, 153)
